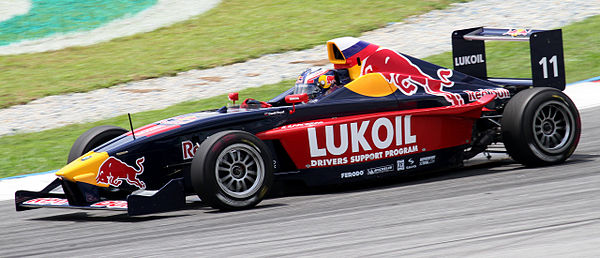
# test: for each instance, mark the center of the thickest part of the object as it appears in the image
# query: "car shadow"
(258, 207)
(284, 189)
(86, 217)
(499, 166)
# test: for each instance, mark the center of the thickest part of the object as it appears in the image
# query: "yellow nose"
(84, 169)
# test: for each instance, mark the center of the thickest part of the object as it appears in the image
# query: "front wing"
(84, 196)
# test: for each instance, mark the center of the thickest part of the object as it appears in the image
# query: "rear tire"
(540, 126)
(232, 170)
(93, 138)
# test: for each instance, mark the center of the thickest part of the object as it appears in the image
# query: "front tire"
(232, 170)
(93, 138)
(540, 126)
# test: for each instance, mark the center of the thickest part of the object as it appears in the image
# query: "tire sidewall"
(203, 174)
(520, 120)
(528, 122)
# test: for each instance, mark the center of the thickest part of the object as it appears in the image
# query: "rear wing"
(545, 48)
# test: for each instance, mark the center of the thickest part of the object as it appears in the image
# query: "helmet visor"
(310, 89)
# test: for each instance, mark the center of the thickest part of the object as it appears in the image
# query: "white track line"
(34, 182)
(12, 8)
(584, 94)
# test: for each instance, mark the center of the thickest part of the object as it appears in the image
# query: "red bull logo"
(189, 149)
(475, 95)
(326, 81)
(517, 32)
(407, 77)
(110, 204)
(114, 171)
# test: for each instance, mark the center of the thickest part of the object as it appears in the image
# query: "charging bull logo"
(407, 77)
(114, 171)
(517, 32)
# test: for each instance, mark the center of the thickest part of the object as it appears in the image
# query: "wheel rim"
(553, 126)
(240, 170)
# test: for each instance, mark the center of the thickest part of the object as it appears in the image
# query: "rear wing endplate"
(545, 48)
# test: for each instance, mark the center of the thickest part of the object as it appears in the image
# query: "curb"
(586, 80)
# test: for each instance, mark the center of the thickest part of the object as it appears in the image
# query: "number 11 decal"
(544, 63)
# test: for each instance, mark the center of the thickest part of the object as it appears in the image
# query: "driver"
(317, 82)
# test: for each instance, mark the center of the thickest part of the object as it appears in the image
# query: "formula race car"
(378, 113)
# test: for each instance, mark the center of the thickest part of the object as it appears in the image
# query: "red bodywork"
(369, 137)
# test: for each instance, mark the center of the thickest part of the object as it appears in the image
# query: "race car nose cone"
(84, 169)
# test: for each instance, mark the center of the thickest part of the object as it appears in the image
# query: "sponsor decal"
(110, 204)
(400, 165)
(357, 140)
(408, 77)
(379, 170)
(281, 112)
(427, 160)
(114, 172)
(517, 32)
(328, 162)
(189, 149)
(370, 137)
(411, 164)
(475, 95)
(169, 124)
(468, 60)
(153, 129)
(184, 119)
(309, 124)
(382, 138)
(48, 201)
(326, 81)
(352, 174)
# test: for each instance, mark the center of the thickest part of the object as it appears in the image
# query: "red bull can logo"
(408, 77)
(517, 32)
(114, 172)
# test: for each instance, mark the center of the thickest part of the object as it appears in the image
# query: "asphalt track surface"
(498, 208)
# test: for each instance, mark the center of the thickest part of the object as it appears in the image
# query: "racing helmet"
(315, 82)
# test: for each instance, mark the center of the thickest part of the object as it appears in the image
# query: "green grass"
(234, 31)
(46, 150)
(581, 44)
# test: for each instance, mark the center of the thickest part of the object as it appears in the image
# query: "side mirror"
(296, 98)
(234, 96)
